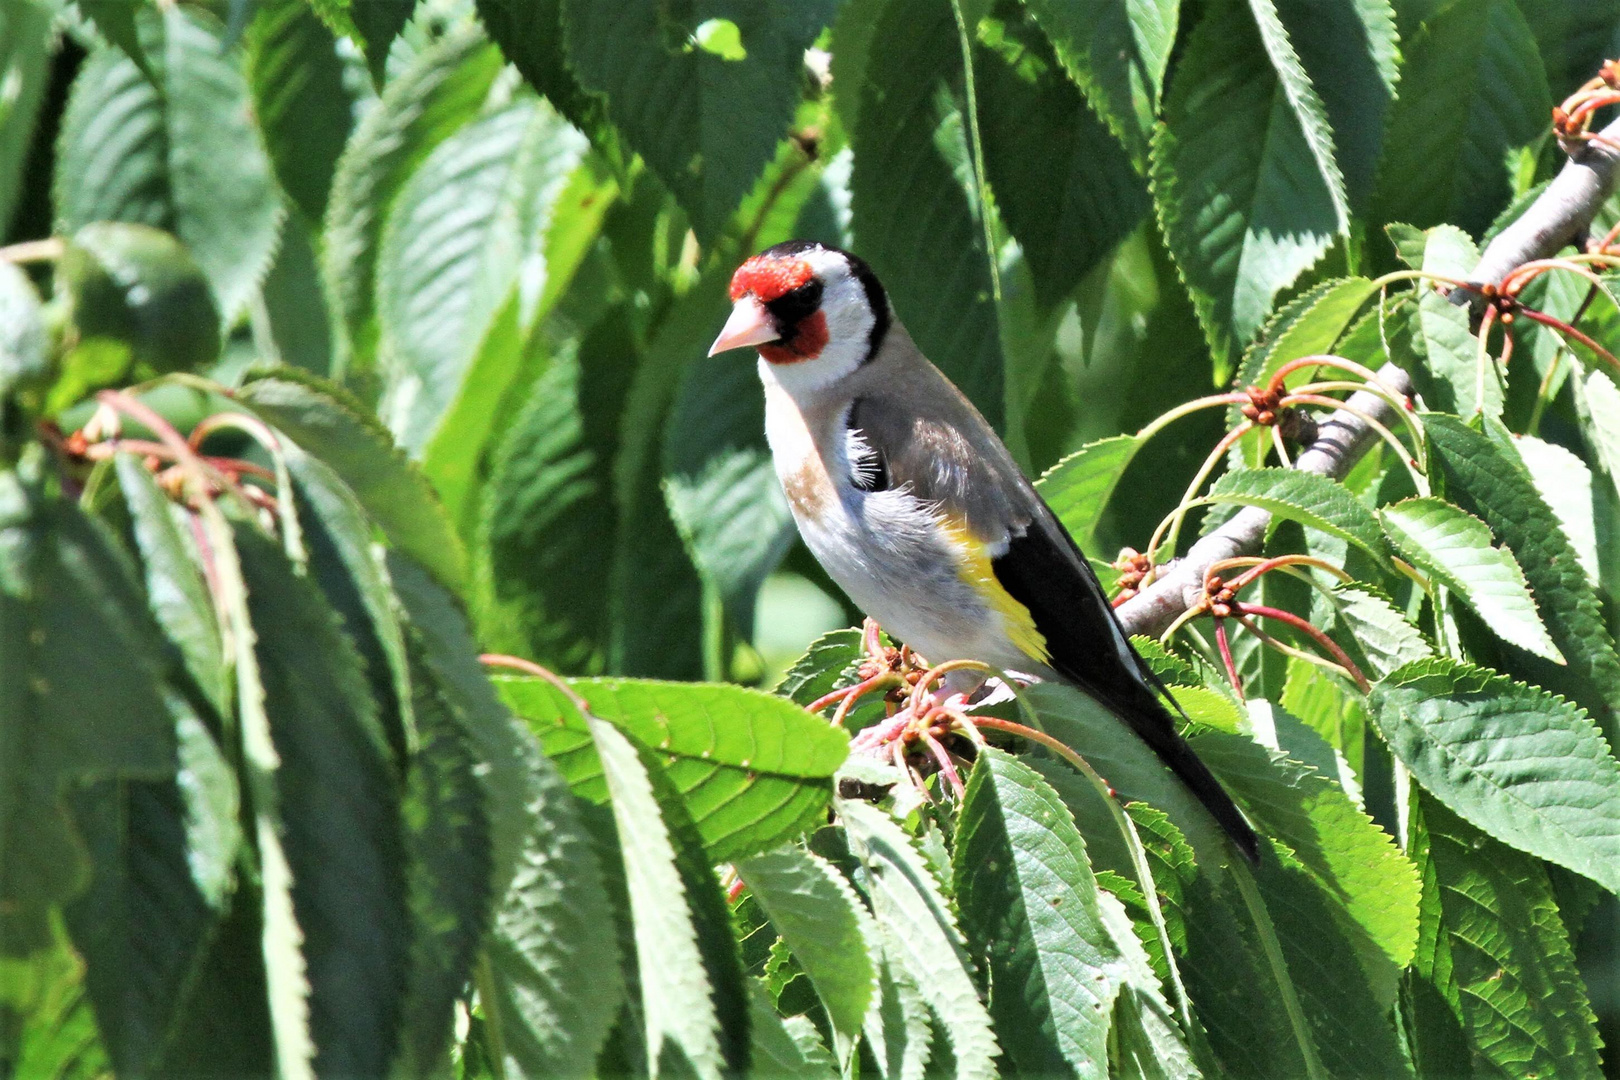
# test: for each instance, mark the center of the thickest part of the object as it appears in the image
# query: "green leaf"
(917, 924)
(831, 661)
(463, 226)
(68, 606)
(1376, 630)
(1063, 184)
(753, 769)
(1472, 88)
(1129, 766)
(24, 346)
(1117, 51)
(323, 421)
(449, 873)
(692, 990)
(25, 49)
(378, 23)
(1564, 483)
(112, 152)
(549, 510)
(54, 1034)
(142, 925)
(1483, 477)
(1307, 498)
(774, 1051)
(139, 286)
(721, 484)
(552, 953)
(1521, 764)
(1518, 988)
(1436, 345)
(1601, 415)
(227, 209)
(300, 99)
(175, 589)
(1150, 1043)
(340, 816)
(1029, 904)
(344, 563)
(297, 325)
(431, 97)
(530, 34)
(114, 20)
(911, 151)
(1346, 1018)
(1078, 487)
(1454, 547)
(1338, 846)
(1248, 192)
(827, 928)
(1352, 53)
(509, 757)
(706, 126)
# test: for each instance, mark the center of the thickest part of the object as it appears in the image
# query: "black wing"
(1044, 570)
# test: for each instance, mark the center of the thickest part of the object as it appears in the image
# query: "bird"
(912, 504)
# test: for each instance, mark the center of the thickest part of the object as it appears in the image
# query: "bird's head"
(814, 313)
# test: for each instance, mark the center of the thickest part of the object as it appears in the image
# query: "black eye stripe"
(794, 306)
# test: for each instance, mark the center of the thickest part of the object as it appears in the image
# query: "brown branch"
(1560, 216)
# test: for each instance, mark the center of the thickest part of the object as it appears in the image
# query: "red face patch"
(768, 278)
(806, 344)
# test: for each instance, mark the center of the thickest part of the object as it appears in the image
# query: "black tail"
(1158, 730)
(1046, 572)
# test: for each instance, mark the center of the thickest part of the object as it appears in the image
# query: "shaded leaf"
(706, 126)
(1117, 51)
(934, 266)
(302, 104)
(1063, 184)
(25, 47)
(59, 574)
(827, 928)
(1472, 87)
(1346, 855)
(325, 422)
(340, 812)
(1248, 194)
(226, 206)
(552, 953)
(1483, 477)
(692, 990)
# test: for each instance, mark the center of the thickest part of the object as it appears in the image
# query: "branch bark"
(1560, 215)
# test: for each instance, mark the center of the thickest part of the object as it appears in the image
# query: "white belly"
(887, 550)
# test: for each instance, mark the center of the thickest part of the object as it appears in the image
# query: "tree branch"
(1559, 216)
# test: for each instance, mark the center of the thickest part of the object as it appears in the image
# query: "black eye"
(796, 305)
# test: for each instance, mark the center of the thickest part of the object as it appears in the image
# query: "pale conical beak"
(750, 324)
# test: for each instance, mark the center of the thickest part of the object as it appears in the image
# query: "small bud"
(1266, 418)
(1249, 411)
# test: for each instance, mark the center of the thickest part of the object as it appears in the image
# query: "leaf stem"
(992, 251)
(1279, 968)
(49, 249)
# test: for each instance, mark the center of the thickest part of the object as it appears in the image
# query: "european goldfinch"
(915, 508)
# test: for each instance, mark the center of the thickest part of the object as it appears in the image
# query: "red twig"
(1310, 631)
